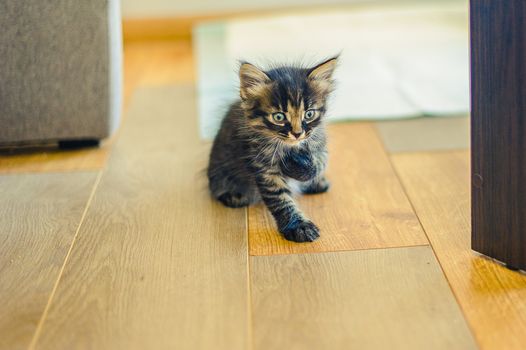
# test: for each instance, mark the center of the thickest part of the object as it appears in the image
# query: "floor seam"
(343, 250)
(434, 253)
(40, 324)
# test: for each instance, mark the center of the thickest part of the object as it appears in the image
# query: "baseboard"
(169, 28)
(160, 28)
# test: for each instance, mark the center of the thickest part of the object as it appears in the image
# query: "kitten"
(273, 134)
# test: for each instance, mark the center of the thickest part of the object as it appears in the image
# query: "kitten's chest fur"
(274, 156)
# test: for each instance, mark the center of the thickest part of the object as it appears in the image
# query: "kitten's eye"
(310, 114)
(278, 117)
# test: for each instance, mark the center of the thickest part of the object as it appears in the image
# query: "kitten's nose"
(296, 134)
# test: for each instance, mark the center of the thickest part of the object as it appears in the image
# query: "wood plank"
(365, 207)
(159, 62)
(498, 82)
(51, 159)
(39, 215)
(157, 263)
(425, 134)
(492, 297)
(374, 299)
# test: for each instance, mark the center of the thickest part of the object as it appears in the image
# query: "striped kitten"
(273, 135)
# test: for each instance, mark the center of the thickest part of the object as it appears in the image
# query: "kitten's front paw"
(299, 165)
(301, 231)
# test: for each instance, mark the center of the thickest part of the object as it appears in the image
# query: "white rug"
(396, 62)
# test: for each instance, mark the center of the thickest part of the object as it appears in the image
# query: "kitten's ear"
(252, 80)
(324, 70)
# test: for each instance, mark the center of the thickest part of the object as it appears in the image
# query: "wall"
(180, 8)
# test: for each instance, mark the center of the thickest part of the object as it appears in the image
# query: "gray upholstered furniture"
(60, 70)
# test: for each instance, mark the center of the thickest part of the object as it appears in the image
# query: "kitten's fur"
(256, 153)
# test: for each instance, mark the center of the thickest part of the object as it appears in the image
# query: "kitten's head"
(286, 103)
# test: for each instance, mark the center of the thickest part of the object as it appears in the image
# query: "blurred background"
(399, 59)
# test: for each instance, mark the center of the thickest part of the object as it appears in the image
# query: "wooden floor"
(122, 248)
